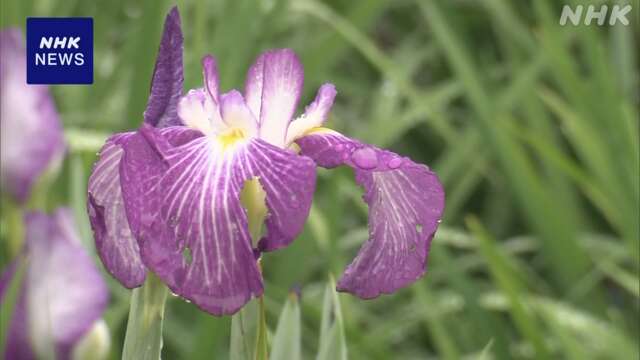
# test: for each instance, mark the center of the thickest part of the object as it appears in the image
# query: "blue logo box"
(59, 50)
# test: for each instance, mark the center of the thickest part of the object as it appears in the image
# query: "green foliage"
(143, 339)
(287, 340)
(532, 127)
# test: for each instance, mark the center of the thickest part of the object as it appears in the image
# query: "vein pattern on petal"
(406, 202)
(195, 235)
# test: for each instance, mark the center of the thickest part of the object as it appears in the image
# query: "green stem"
(15, 228)
(143, 340)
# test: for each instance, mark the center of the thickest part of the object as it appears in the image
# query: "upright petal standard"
(30, 130)
(176, 186)
(62, 294)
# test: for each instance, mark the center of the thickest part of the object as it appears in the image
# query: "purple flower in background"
(168, 197)
(62, 295)
(29, 125)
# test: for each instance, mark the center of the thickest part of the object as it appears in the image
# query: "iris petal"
(282, 85)
(63, 293)
(116, 245)
(31, 133)
(253, 86)
(193, 232)
(167, 80)
(314, 115)
(406, 202)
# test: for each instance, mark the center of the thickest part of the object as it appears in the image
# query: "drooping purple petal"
(30, 130)
(168, 78)
(196, 235)
(116, 245)
(62, 294)
(406, 202)
(315, 114)
(282, 85)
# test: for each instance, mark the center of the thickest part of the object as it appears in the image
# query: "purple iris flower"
(27, 113)
(62, 294)
(168, 197)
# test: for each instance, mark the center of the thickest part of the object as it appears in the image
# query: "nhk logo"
(617, 15)
(59, 50)
(53, 58)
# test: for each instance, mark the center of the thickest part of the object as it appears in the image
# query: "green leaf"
(333, 344)
(502, 272)
(287, 340)
(9, 300)
(143, 340)
(249, 332)
(81, 140)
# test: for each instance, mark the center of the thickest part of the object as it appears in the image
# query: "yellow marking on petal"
(318, 130)
(295, 148)
(231, 137)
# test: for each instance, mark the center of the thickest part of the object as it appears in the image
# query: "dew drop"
(395, 163)
(365, 158)
(419, 228)
(339, 147)
(294, 201)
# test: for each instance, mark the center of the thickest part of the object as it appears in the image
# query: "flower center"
(231, 137)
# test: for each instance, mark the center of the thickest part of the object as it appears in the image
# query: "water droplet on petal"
(294, 201)
(395, 163)
(365, 158)
(339, 147)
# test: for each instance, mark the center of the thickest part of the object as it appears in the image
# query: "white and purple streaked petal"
(62, 294)
(115, 244)
(198, 111)
(289, 182)
(315, 114)
(253, 86)
(406, 202)
(211, 77)
(197, 239)
(168, 77)
(30, 130)
(136, 185)
(282, 85)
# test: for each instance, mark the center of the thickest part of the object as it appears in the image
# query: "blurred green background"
(532, 127)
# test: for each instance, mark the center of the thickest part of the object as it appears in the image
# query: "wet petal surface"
(193, 229)
(115, 244)
(406, 202)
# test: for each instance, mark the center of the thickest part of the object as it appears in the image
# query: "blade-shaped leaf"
(249, 332)
(143, 340)
(286, 343)
(333, 345)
